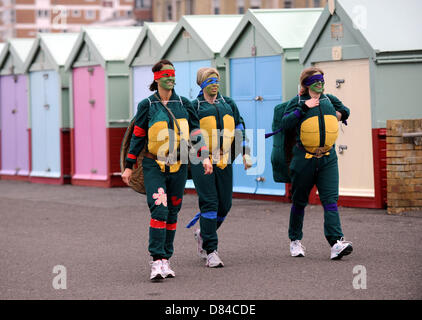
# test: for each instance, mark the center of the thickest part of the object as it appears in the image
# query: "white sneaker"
(167, 272)
(201, 252)
(156, 270)
(297, 249)
(214, 261)
(340, 249)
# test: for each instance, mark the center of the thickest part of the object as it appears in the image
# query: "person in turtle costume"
(315, 115)
(164, 125)
(219, 120)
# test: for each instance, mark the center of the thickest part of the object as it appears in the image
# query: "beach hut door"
(256, 87)
(45, 124)
(14, 126)
(349, 81)
(142, 78)
(90, 157)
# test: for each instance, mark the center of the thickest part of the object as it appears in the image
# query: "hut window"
(317, 3)
(288, 4)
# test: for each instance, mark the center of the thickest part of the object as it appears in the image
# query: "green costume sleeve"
(340, 107)
(239, 124)
(139, 135)
(195, 136)
(295, 110)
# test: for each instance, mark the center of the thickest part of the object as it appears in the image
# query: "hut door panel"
(22, 138)
(8, 125)
(182, 86)
(82, 120)
(243, 91)
(194, 66)
(45, 124)
(142, 78)
(97, 123)
(52, 89)
(14, 118)
(356, 162)
(186, 85)
(186, 71)
(89, 122)
(39, 137)
(268, 94)
(256, 88)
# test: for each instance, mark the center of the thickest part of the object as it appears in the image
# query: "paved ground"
(101, 236)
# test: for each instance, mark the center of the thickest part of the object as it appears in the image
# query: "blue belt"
(206, 215)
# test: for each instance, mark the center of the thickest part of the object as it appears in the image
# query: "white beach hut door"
(142, 79)
(349, 81)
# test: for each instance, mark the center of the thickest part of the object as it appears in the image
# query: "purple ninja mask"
(312, 79)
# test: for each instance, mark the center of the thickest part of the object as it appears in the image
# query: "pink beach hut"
(100, 107)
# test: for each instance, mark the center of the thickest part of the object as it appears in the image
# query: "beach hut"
(264, 68)
(144, 54)
(15, 147)
(196, 42)
(49, 107)
(100, 100)
(374, 65)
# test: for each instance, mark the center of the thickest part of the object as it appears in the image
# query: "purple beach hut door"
(14, 125)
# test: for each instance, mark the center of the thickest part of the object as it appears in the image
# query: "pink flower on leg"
(161, 197)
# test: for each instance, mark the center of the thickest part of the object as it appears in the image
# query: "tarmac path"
(101, 235)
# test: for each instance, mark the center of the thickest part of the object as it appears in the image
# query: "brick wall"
(404, 166)
(75, 2)
(25, 16)
(26, 33)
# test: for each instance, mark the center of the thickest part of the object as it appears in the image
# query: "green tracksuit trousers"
(164, 193)
(215, 200)
(322, 172)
